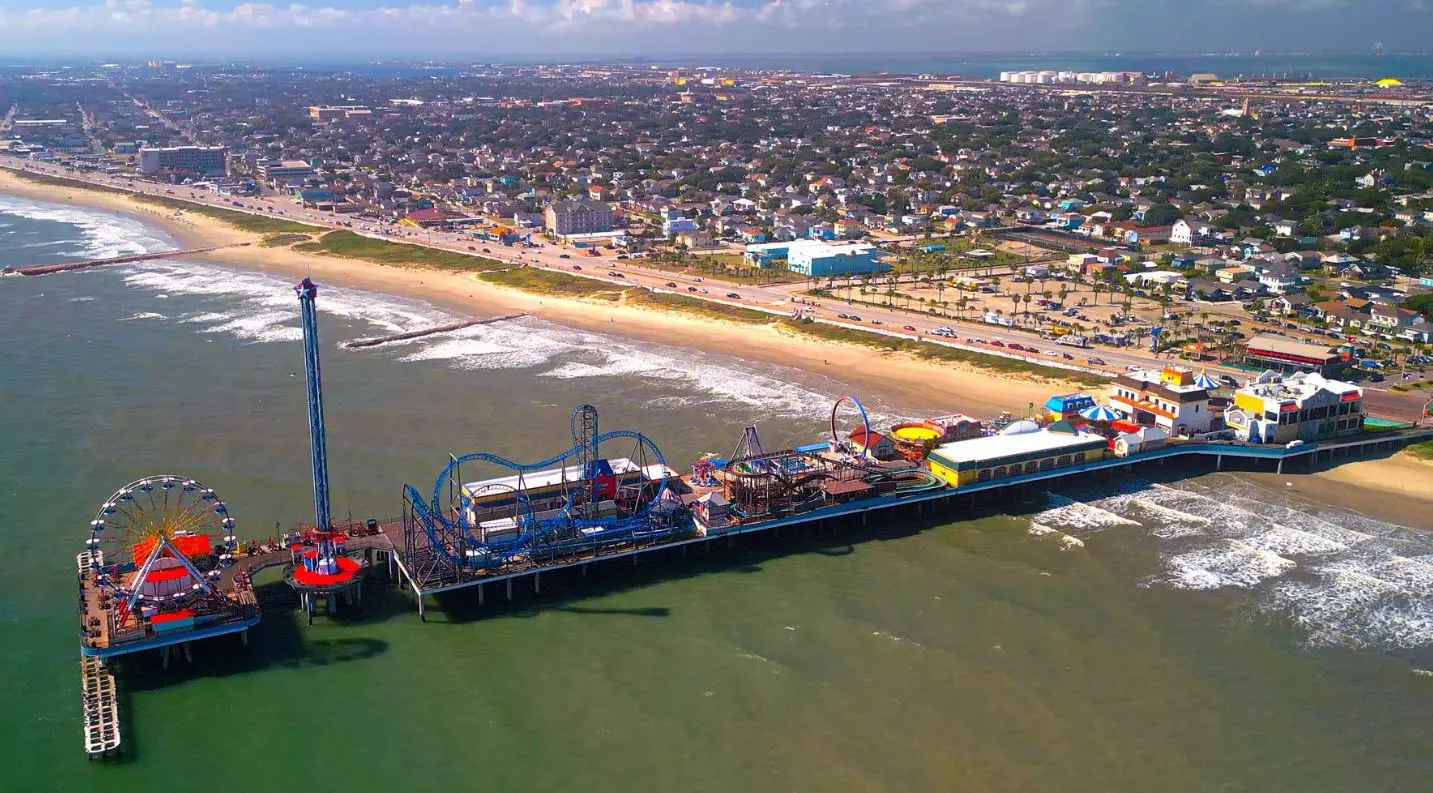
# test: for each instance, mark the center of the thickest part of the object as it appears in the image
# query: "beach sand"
(897, 379)
(1397, 489)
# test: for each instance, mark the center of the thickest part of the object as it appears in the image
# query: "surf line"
(417, 334)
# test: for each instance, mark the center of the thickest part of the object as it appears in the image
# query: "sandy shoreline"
(896, 379)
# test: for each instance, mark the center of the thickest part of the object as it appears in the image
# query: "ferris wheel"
(162, 542)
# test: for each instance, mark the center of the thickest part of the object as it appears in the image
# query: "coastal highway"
(775, 298)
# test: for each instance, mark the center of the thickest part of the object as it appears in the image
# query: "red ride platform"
(347, 570)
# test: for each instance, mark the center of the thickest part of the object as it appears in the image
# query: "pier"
(64, 267)
(100, 708)
(414, 568)
(374, 341)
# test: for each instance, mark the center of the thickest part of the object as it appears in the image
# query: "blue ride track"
(449, 531)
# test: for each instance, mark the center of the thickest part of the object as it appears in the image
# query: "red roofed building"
(876, 445)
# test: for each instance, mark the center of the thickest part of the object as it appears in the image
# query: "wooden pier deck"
(62, 267)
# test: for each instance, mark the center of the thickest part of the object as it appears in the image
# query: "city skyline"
(557, 28)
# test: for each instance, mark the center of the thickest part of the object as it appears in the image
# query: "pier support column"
(509, 590)
(421, 616)
(244, 637)
(583, 567)
(188, 655)
(1219, 462)
(480, 594)
(1280, 469)
(164, 657)
(537, 583)
(863, 519)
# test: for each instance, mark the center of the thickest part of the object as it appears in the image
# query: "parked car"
(855, 318)
(877, 322)
(691, 289)
(843, 316)
(1019, 347)
(1134, 367)
(997, 343)
(616, 275)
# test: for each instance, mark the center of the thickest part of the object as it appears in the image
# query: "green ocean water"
(960, 654)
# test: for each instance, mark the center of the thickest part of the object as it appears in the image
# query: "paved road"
(775, 298)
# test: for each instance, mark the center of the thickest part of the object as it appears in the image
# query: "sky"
(478, 29)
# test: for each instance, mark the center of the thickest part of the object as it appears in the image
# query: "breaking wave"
(1344, 579)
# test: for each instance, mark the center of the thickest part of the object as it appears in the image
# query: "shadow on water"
(839, 537)
(277, 642)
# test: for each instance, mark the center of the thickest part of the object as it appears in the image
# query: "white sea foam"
(1343, 578)
(105, 234)
(1079, 516)
(142, 315)
(1230, 563)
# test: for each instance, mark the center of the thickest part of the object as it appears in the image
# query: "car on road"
(577, 267)
(1067, 356)
(911, 328)
(733, 295)
(843, 316)
(1095, 361)
(615, 274)
(1017, 346)
(672, 284)
(1228, 381)
(997, 343)
(1032, 349)
(471, 248)
(1375, 378)
(855, 318)
(877, 322)
(485, 250)
(1134, 367)
(564, 256)
(1054, 353)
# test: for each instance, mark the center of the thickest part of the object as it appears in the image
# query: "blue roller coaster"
(568, 505)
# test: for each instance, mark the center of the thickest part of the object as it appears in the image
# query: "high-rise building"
(578, 217)
(208, 160)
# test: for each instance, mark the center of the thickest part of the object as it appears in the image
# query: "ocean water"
(1195, 634)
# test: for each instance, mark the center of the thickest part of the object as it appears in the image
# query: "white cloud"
(471, 26)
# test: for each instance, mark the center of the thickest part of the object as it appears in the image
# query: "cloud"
(477, 26)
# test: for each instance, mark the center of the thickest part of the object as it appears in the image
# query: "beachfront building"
(1067, 407)
(1285, 355)
(206, 160)
(819, 260)
(1027, 450)
(285, 172)
(1306, 406)
(578, 217)
(1167, 398)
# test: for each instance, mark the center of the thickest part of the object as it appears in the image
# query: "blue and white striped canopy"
(1099, 413)
(1203, 380)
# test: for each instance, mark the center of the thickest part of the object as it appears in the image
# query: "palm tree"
(1026, 301)
(1098, 287)
(1016, 300)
